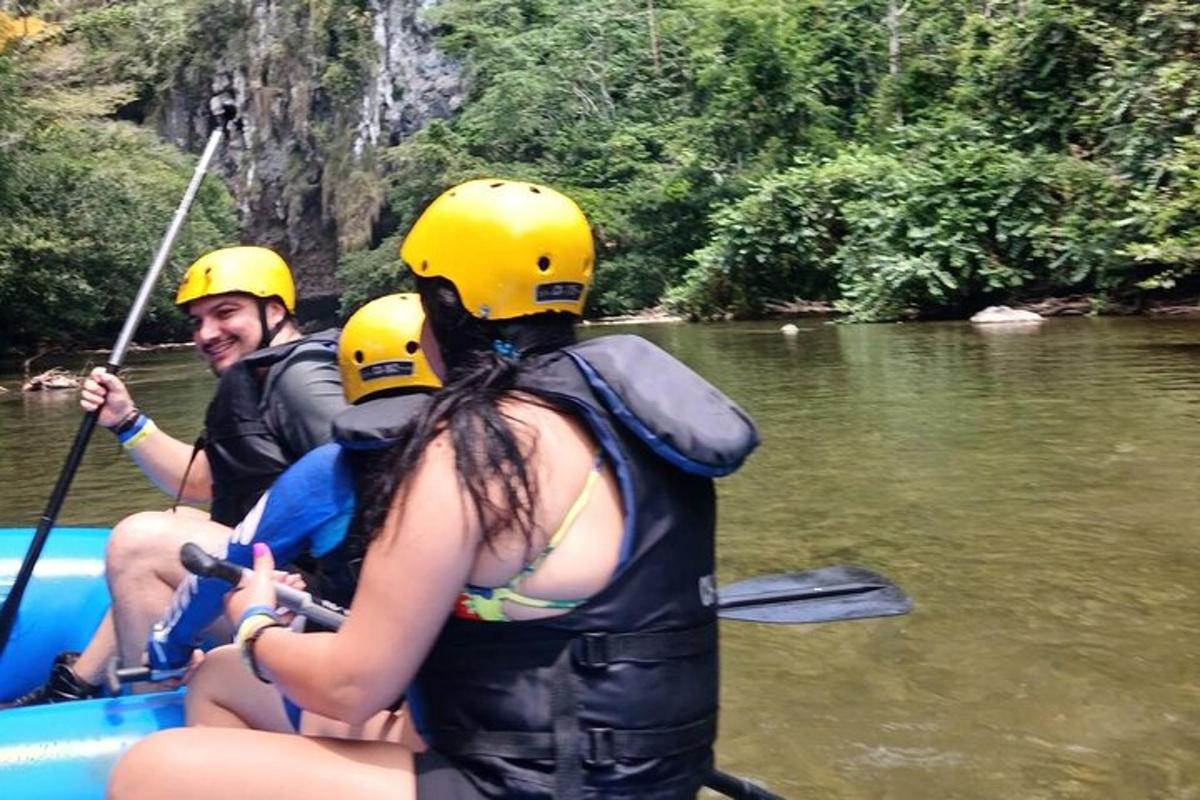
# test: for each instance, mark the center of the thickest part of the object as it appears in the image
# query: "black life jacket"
(618, 697)
(245, 455)
(379, 422)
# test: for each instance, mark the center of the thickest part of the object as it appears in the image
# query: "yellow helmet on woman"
(380, 348)
(510, 248)
(256, 271)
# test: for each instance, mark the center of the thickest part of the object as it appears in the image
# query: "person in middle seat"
(389, 364)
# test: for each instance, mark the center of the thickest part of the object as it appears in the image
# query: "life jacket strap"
(597, 747)
(592, 649)
(569, 744)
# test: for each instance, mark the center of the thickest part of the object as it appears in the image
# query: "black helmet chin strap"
(268, 333)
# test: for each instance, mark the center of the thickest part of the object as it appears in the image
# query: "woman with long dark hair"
(540, 582)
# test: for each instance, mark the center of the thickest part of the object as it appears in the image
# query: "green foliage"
(140, 42)
(897, 157)
(10, 111)
(944, 218)
(1168, 213)
(733, 153)
(368, 274)
(87, 206)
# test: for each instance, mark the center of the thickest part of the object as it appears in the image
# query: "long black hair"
(484, 360)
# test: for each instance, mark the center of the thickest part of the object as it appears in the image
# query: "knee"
(219, 669)
(141, 771)
(134, 539)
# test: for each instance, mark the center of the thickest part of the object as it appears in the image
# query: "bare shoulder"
(541, 419)
(432, 484)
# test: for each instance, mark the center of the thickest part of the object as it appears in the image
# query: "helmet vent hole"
(496, 185)
(358, 356)
(535, 190)
(412, 347)
(424, 266)
(544, 263)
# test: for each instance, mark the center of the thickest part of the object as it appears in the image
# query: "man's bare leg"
(143, 569)
(99, 650)
(103, 645)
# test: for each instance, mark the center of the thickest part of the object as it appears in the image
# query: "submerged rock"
(1004, 314)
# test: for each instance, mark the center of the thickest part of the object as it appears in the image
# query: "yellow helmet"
(251, 270)
(510, 248)
(380, 348)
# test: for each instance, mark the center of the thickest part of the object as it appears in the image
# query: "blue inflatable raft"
(65, 751)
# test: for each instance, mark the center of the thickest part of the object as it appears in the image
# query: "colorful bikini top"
(486, 603)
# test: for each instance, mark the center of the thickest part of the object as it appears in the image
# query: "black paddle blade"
(819, 595)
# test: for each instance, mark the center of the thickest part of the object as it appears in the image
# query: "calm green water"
(1034, 490)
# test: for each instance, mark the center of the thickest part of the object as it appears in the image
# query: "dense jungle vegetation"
(85, 198)
(896, 157)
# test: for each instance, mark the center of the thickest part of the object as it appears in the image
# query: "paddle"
(821, 595)
(8, 613)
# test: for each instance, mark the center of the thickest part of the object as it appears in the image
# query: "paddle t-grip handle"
(319, 612)
(115, 675)
(198, 562)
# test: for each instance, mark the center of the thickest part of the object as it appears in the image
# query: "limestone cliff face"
(317, 88)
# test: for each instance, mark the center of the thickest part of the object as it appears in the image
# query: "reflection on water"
(1034, 489)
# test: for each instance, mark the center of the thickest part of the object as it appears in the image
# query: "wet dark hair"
(489, 455)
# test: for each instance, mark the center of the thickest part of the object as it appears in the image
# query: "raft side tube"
(66, 751)
(64, 602)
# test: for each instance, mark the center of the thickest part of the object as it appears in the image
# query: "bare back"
(561, 455)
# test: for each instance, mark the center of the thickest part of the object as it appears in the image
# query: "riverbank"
(1069, 306)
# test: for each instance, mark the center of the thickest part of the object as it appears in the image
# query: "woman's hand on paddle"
(104, 391)
(257, 588)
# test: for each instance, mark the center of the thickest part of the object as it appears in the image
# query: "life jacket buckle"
(593, 650)
(599, 752)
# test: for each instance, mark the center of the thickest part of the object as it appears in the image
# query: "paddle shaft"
(735, 787)
(8, 613)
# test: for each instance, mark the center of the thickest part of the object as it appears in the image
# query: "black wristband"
(127, 422)
(248, 649)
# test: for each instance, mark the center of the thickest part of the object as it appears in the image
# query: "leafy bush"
(944, 218)
(87, 207)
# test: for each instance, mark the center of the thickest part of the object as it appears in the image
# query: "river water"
(1033, 489)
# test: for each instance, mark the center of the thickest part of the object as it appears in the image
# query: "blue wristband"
(133, 430)
(252, 611)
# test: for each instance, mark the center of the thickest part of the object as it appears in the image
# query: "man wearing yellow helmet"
(277, 393)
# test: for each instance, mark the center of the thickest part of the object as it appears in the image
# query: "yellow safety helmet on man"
(511, 249)
(380, 348)
(256, 271)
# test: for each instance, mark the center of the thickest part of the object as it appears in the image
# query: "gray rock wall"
(299, 162)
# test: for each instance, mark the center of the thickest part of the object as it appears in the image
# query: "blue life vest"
(307, 513)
